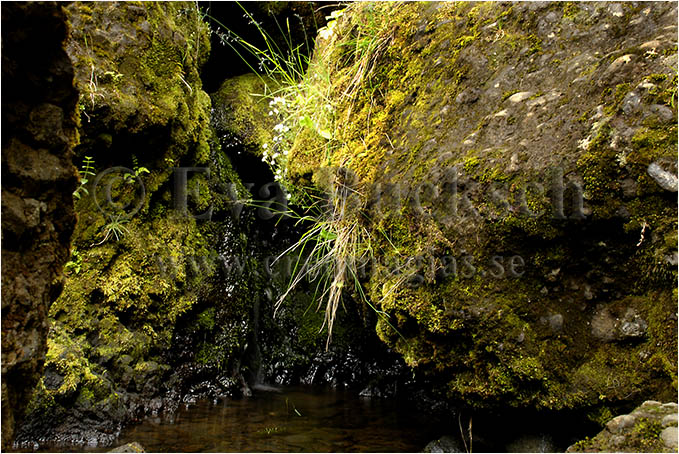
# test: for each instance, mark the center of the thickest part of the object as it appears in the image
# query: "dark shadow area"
(287, 23)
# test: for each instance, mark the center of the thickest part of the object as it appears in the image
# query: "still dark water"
(329, 420)
(292, 420)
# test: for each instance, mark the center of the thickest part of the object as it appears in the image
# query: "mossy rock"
(241, 111)
(504, 153)
(137, 279)
(646, 429)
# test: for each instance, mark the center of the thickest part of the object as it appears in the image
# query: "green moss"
(131, 296)
(206, 319)
(463, 332)
(471, 164)
(242, 111)
(570, 10)
(600, 171)
(656, 78)
(600, 415)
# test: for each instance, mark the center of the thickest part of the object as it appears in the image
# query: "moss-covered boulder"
(145, 266)
(516, 166)
(651, 427)
(240, 111)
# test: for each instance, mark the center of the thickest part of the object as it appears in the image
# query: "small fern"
(86, 171)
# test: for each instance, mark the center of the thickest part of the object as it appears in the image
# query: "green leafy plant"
(130, 178)
(270, 430)
(114, 228)
(86, 171)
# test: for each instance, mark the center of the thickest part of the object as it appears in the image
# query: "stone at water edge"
(669, 437)
(532, 443)
(129, 447)
(650, 427)
(444, 444)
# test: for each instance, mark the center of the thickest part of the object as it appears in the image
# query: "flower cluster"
(276, 154)
(274, 103)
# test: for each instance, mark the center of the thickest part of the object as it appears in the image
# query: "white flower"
(270, 112)
(325, 33)
(265, 146)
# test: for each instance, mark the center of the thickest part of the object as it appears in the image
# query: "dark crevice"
(302, 18)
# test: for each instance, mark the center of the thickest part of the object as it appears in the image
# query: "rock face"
(515, 165)
(289, 349)
(148, 312)
(652, 427)
(38, 179)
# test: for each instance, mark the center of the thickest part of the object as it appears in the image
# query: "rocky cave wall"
(39, 126)
(144, 283)
(160, 308)
(482, 107)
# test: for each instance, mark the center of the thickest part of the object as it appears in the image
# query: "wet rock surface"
(38, 179)
(444, 444)
(141, 281)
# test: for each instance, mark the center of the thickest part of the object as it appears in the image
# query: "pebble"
(665, 179)
(556, 322)
(669, 437)
(620, 423)
(669, 420)
(522, 96)
(129, 447)
(631, 102)
(444, 444)
(664, 112)
(619, 62)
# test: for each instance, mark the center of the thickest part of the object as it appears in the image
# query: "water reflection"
(299, 420)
